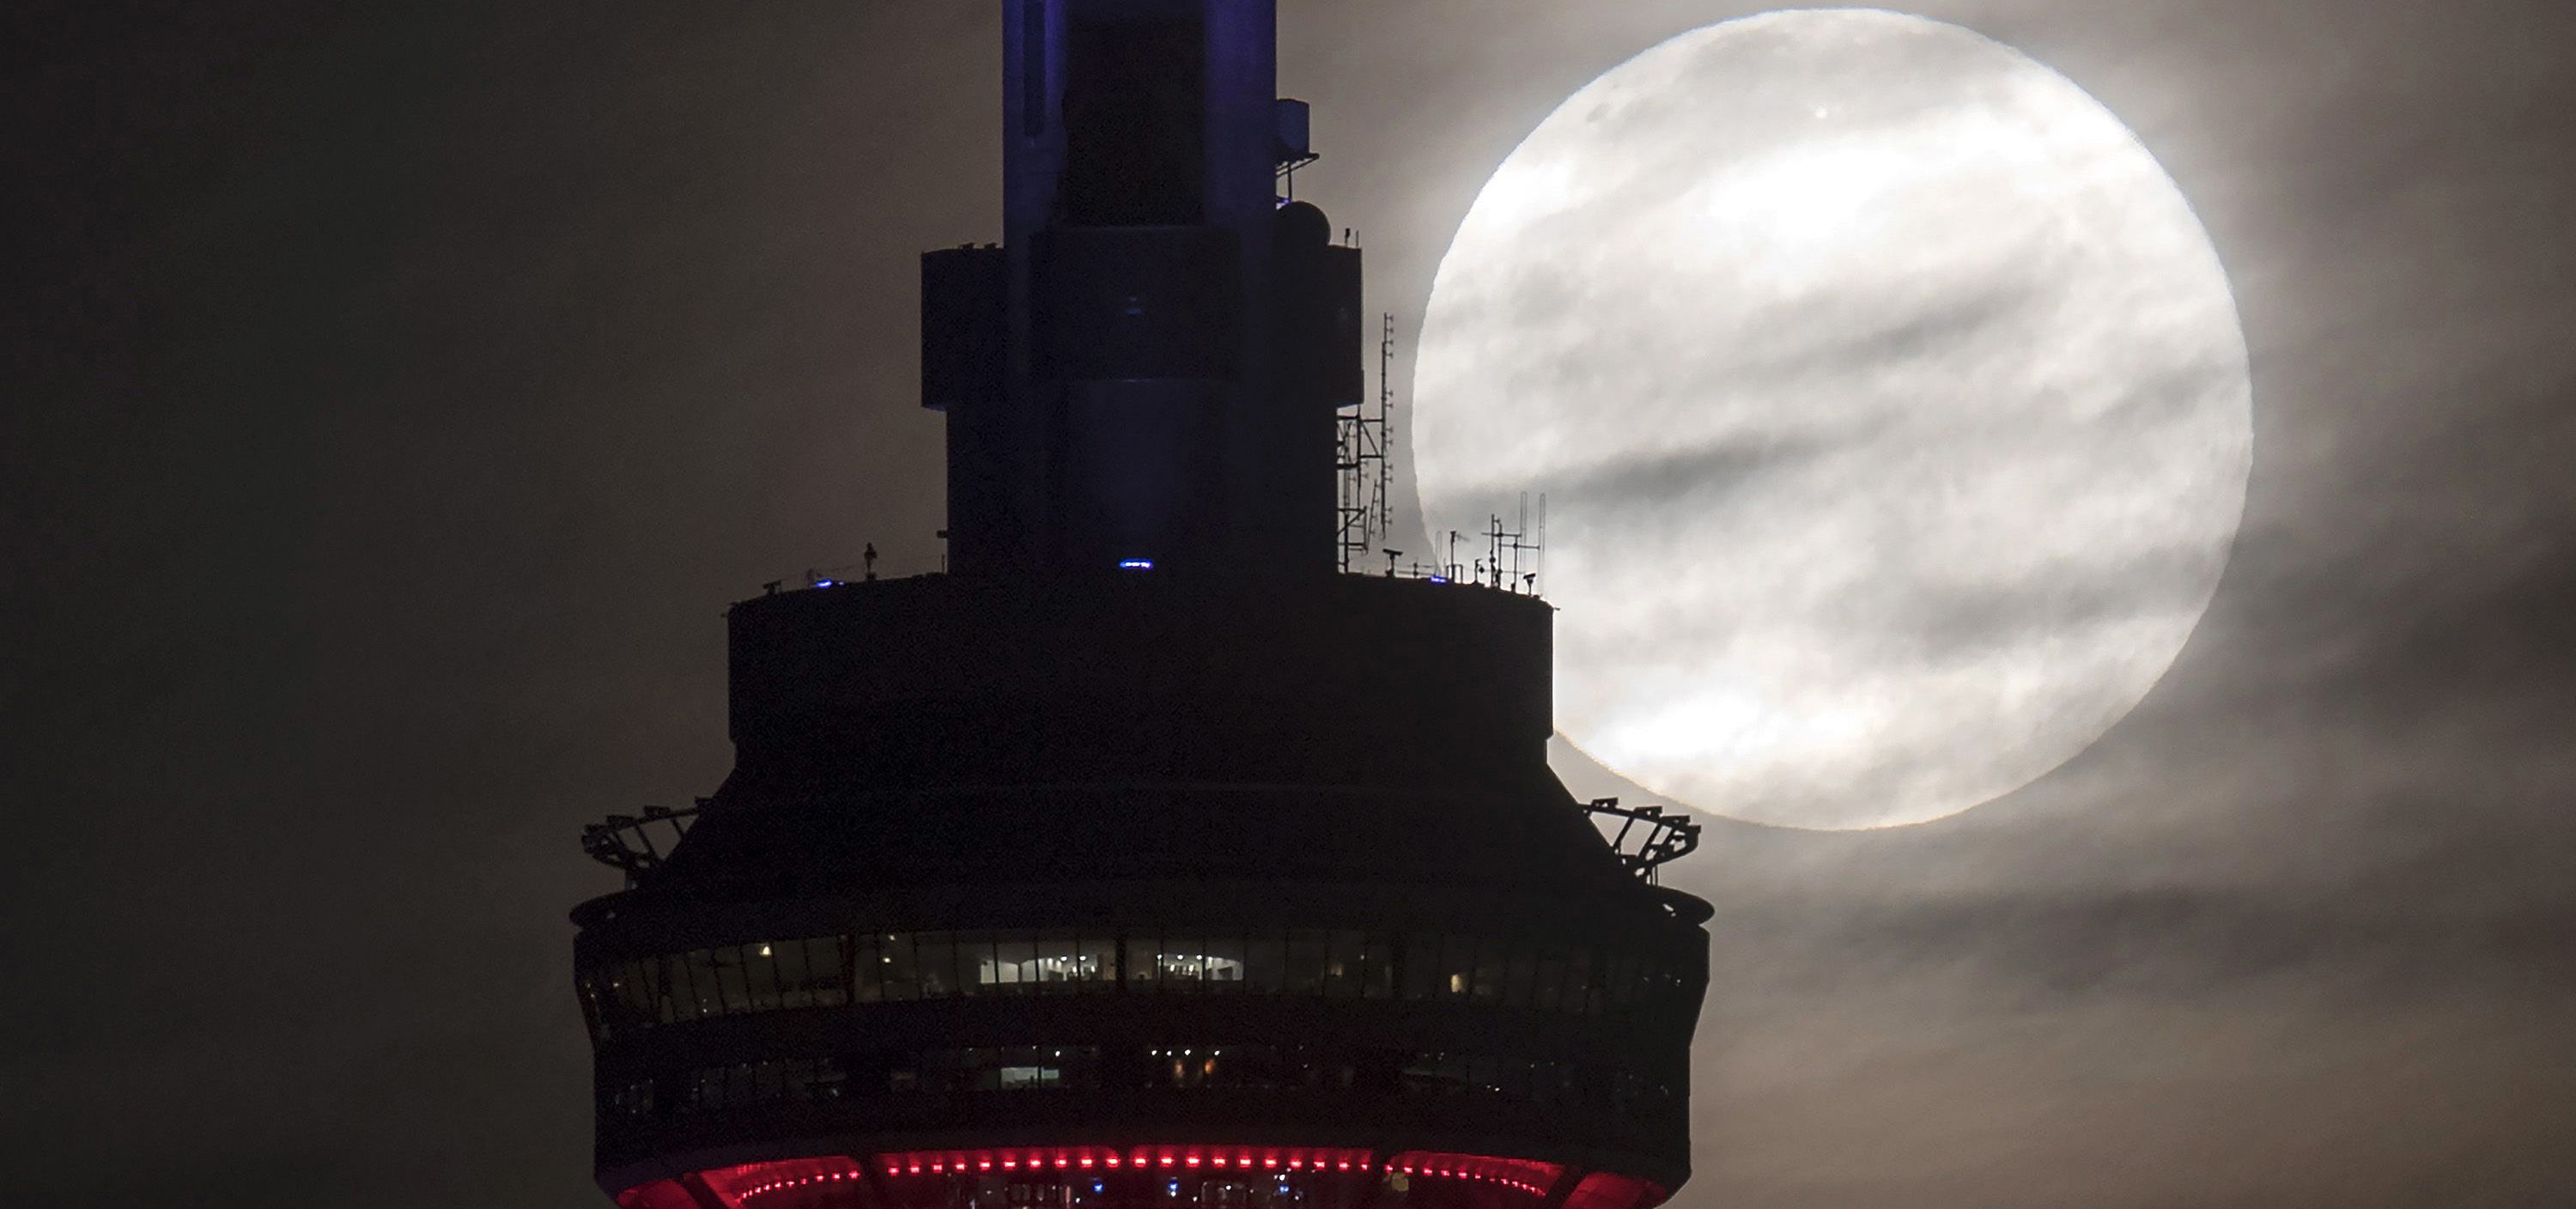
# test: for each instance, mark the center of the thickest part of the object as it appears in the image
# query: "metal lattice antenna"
(1362, 440)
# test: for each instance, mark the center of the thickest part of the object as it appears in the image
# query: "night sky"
(396, 395)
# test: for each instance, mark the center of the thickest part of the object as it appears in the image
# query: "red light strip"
(743, 1187)
(1528, 1176)
(748, 1184)
(912, 1163)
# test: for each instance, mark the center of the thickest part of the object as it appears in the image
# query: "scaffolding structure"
(1362, 439)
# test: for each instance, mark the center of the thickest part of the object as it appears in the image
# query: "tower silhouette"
(1141, 858)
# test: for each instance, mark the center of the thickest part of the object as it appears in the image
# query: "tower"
(1141, 859)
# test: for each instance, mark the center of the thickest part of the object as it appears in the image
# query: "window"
(1627, 980)
(814, 1081)
(730, 987)
(1308, 952)
(1188, 1066)
(781, 966)
(917, 967)
(867, 970)
(1551, 1083)
(1015, 1078)
(1059, 962)
(1421, 977)
(1582, 993)
(1032, 1068)
(1193, 962)
(827, 971)
(1377, 975)
(1491, 962)
(975, 964)
(668, 989)
(1457, 966)
(1015, 963)
(587, 986)
(1221, 960)
(700, 993)
(760, 974)
(1520, 979)
(1548, 986)
(1265, 963)
(629, 991)
(1179, 962)
(832, 971)
(996, 1068)
(1218, 1066)
(647, 989)
(1433, 1073)
(634, 1099)
(1343, 965)
(739, 1086)
(1142, 963)
(1633, 1095)
(1099, 958)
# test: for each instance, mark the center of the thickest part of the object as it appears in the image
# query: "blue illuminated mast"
(1149, 366)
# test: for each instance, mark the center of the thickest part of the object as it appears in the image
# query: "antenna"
(1385, 426)
(1503, 565)
(1361, 442)
(1538, 557)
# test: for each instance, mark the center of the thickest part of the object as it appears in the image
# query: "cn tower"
(1144, 856)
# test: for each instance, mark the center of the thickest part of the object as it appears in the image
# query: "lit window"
(1060, 960)
(1015, 1078)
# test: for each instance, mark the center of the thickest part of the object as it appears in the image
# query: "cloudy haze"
(403, 390)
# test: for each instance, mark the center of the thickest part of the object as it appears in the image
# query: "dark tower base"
(1127, 869)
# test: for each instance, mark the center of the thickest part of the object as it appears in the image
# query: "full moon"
(1889, 403)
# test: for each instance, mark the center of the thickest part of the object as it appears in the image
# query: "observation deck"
(1264, 878)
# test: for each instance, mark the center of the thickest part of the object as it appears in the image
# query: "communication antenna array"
(1363, 437)
(1512, 556)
